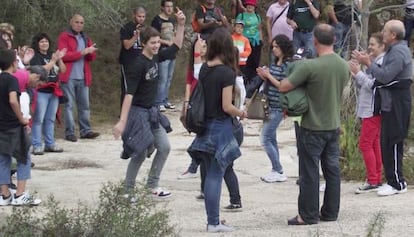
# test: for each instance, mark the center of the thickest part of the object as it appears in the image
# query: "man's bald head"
(396, 27)
(324, 34)
(77, 22)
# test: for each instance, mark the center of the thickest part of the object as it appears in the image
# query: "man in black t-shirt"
(130, 44)
(209, 17)
(164, 23)
(139, 109)
(302, 16)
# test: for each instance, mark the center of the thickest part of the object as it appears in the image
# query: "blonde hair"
(7, 27)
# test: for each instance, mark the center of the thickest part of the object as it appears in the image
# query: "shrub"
(113, 216)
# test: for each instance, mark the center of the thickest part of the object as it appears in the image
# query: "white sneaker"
(26, 199)
(222, 227)
(169, 106)
(162, 108)
(7, 201)
(387, 190)
(274, 176)
(160, 193)
(187, 175)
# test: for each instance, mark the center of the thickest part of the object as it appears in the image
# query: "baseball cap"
(239, 22)
(251, 2)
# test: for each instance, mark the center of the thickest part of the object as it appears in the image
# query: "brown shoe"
(90, 135)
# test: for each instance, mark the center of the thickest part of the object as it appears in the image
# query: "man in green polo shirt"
(324, 79)
(302, 16)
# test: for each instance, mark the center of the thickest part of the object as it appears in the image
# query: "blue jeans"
(23, 170)
(340, 33)
(165, 74)
(230, 178)
(318, 146)
(76, 91)
(163, 147)
(212, 189)
(44, 118)
(269, 140)
(304, 40)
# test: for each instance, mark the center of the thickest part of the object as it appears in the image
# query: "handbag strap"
(274, 21)
(266, 88)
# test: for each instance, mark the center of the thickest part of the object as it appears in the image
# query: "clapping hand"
(263, 72)
(28, 55)
(362, 57)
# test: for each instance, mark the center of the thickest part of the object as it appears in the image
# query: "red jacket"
(67, 40)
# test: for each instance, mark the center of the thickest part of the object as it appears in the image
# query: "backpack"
(195, 117)
(259, 19)
(194, 22)
(294, 102)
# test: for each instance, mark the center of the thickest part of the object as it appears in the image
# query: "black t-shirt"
(43, 59)
(165, 27)
(343, 13)
(142, 77)
(208, 16)
(8, 118)
(126, 33)
(214, 79)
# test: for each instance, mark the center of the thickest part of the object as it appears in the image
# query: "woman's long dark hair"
(285, 46)
(191, 58)
(220, 45)
(37, 38)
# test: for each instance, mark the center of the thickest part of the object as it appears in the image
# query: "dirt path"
(266, 207)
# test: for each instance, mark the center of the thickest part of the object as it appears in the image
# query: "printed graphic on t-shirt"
(152, 73)
(167, 31)
(53, 72)
(302, 9)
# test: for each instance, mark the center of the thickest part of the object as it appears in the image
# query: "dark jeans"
(409, 24)
(253, 62)
(315, 146)
(230, 178)
(192, 168)
(392, 153)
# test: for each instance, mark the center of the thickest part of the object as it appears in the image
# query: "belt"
(303, 30)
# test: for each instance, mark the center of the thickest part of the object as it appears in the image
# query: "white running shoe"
(160, 193)
(387, 190)
(25, 199)
(187, 175)
(6, 201)
(162, 108)
(221, 227)
(274, 176)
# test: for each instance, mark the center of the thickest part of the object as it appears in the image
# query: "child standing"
(12, 135)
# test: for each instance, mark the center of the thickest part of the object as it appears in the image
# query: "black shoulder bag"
(274, 21)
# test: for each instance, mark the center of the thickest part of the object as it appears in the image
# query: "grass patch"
(114, 216)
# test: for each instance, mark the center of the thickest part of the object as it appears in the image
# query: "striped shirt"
(278, 72)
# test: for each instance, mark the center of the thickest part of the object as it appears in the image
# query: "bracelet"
(196, 54)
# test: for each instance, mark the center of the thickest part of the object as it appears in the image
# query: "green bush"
(352, 164)
(114, 216)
